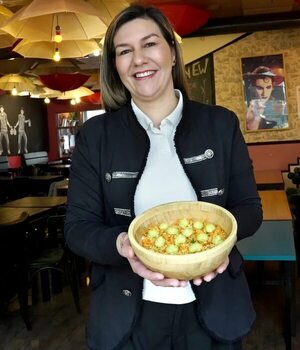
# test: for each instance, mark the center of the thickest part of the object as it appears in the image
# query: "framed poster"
(264, 93)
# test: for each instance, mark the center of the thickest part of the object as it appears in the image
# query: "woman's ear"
(173, 56)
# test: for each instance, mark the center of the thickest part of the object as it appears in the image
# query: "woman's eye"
(150, 44)
(123, 52)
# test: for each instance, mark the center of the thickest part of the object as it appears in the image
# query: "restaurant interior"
(49, 85)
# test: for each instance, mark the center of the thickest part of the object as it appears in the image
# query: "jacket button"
(126, 292)
(209, 153)
(108, 177)
(221, 192)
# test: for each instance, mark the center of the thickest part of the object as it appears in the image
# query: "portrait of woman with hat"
(266, 108)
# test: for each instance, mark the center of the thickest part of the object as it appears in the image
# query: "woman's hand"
(210, 276)
(125, 250)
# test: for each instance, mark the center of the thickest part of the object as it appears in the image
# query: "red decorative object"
(185, 18)
(95, 98)
(64, 82)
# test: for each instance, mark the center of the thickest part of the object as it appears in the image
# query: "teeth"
(144, 74)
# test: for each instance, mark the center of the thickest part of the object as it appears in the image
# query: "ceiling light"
(47, 100)
(56, 56)
(58, 36)
(96, 52)
(73, 102)
(14, 91)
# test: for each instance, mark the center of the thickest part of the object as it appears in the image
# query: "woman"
(155, 146)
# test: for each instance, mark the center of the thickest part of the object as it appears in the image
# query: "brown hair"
(114, 93)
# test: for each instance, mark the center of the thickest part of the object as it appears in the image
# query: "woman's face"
(144, 60)
(264, 88)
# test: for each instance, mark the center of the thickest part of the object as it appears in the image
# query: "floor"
(57, 326)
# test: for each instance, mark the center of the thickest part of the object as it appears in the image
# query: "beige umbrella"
(5, 13)
(109, 8)
(10, 81)
(6, 40)
(44, 92)
(78, 20)
(74, 94)
(46, 49)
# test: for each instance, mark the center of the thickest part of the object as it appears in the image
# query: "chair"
(33, 163)
(293, 196)
(56, 258)
(13, 267)
(4, 167)
(53, 186)
(295, 176)
(21, 259)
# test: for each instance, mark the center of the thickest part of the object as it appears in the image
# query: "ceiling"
(226, 16)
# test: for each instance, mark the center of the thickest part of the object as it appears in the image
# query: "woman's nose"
(139, 57)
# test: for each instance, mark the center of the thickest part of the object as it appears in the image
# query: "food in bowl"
(184, 236)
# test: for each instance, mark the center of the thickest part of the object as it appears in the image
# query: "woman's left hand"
(210, 276)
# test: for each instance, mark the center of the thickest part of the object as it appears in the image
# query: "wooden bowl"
(188, 266)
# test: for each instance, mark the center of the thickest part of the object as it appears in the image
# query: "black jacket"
(109, 158)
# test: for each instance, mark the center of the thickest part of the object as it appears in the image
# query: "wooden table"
(275, 205)
(269, 179)
(34, 185)
(61, 168)
(8, 215)
(37, 202)
(274, 241)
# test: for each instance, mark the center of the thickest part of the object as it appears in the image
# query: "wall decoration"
(264, 93)
(23, 125)
(200, 78)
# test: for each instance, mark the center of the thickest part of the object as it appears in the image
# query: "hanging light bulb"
(14, 91)
(73, 102)
(58, 37)
(47, 100)
(56, 56)
(96, 52)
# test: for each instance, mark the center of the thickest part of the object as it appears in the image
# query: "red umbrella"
(64, 82)
(95, 98)
(185, 18)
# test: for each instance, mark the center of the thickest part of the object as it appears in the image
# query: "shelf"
(67, 125)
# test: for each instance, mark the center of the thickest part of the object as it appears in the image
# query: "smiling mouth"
(144, 74)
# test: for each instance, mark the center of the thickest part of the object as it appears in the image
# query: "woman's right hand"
(124, 248)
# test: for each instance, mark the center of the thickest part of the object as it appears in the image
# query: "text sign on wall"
(200, 77)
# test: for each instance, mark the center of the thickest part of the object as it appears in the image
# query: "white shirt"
(163, 181)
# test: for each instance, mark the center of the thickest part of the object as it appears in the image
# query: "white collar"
(173, 118)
